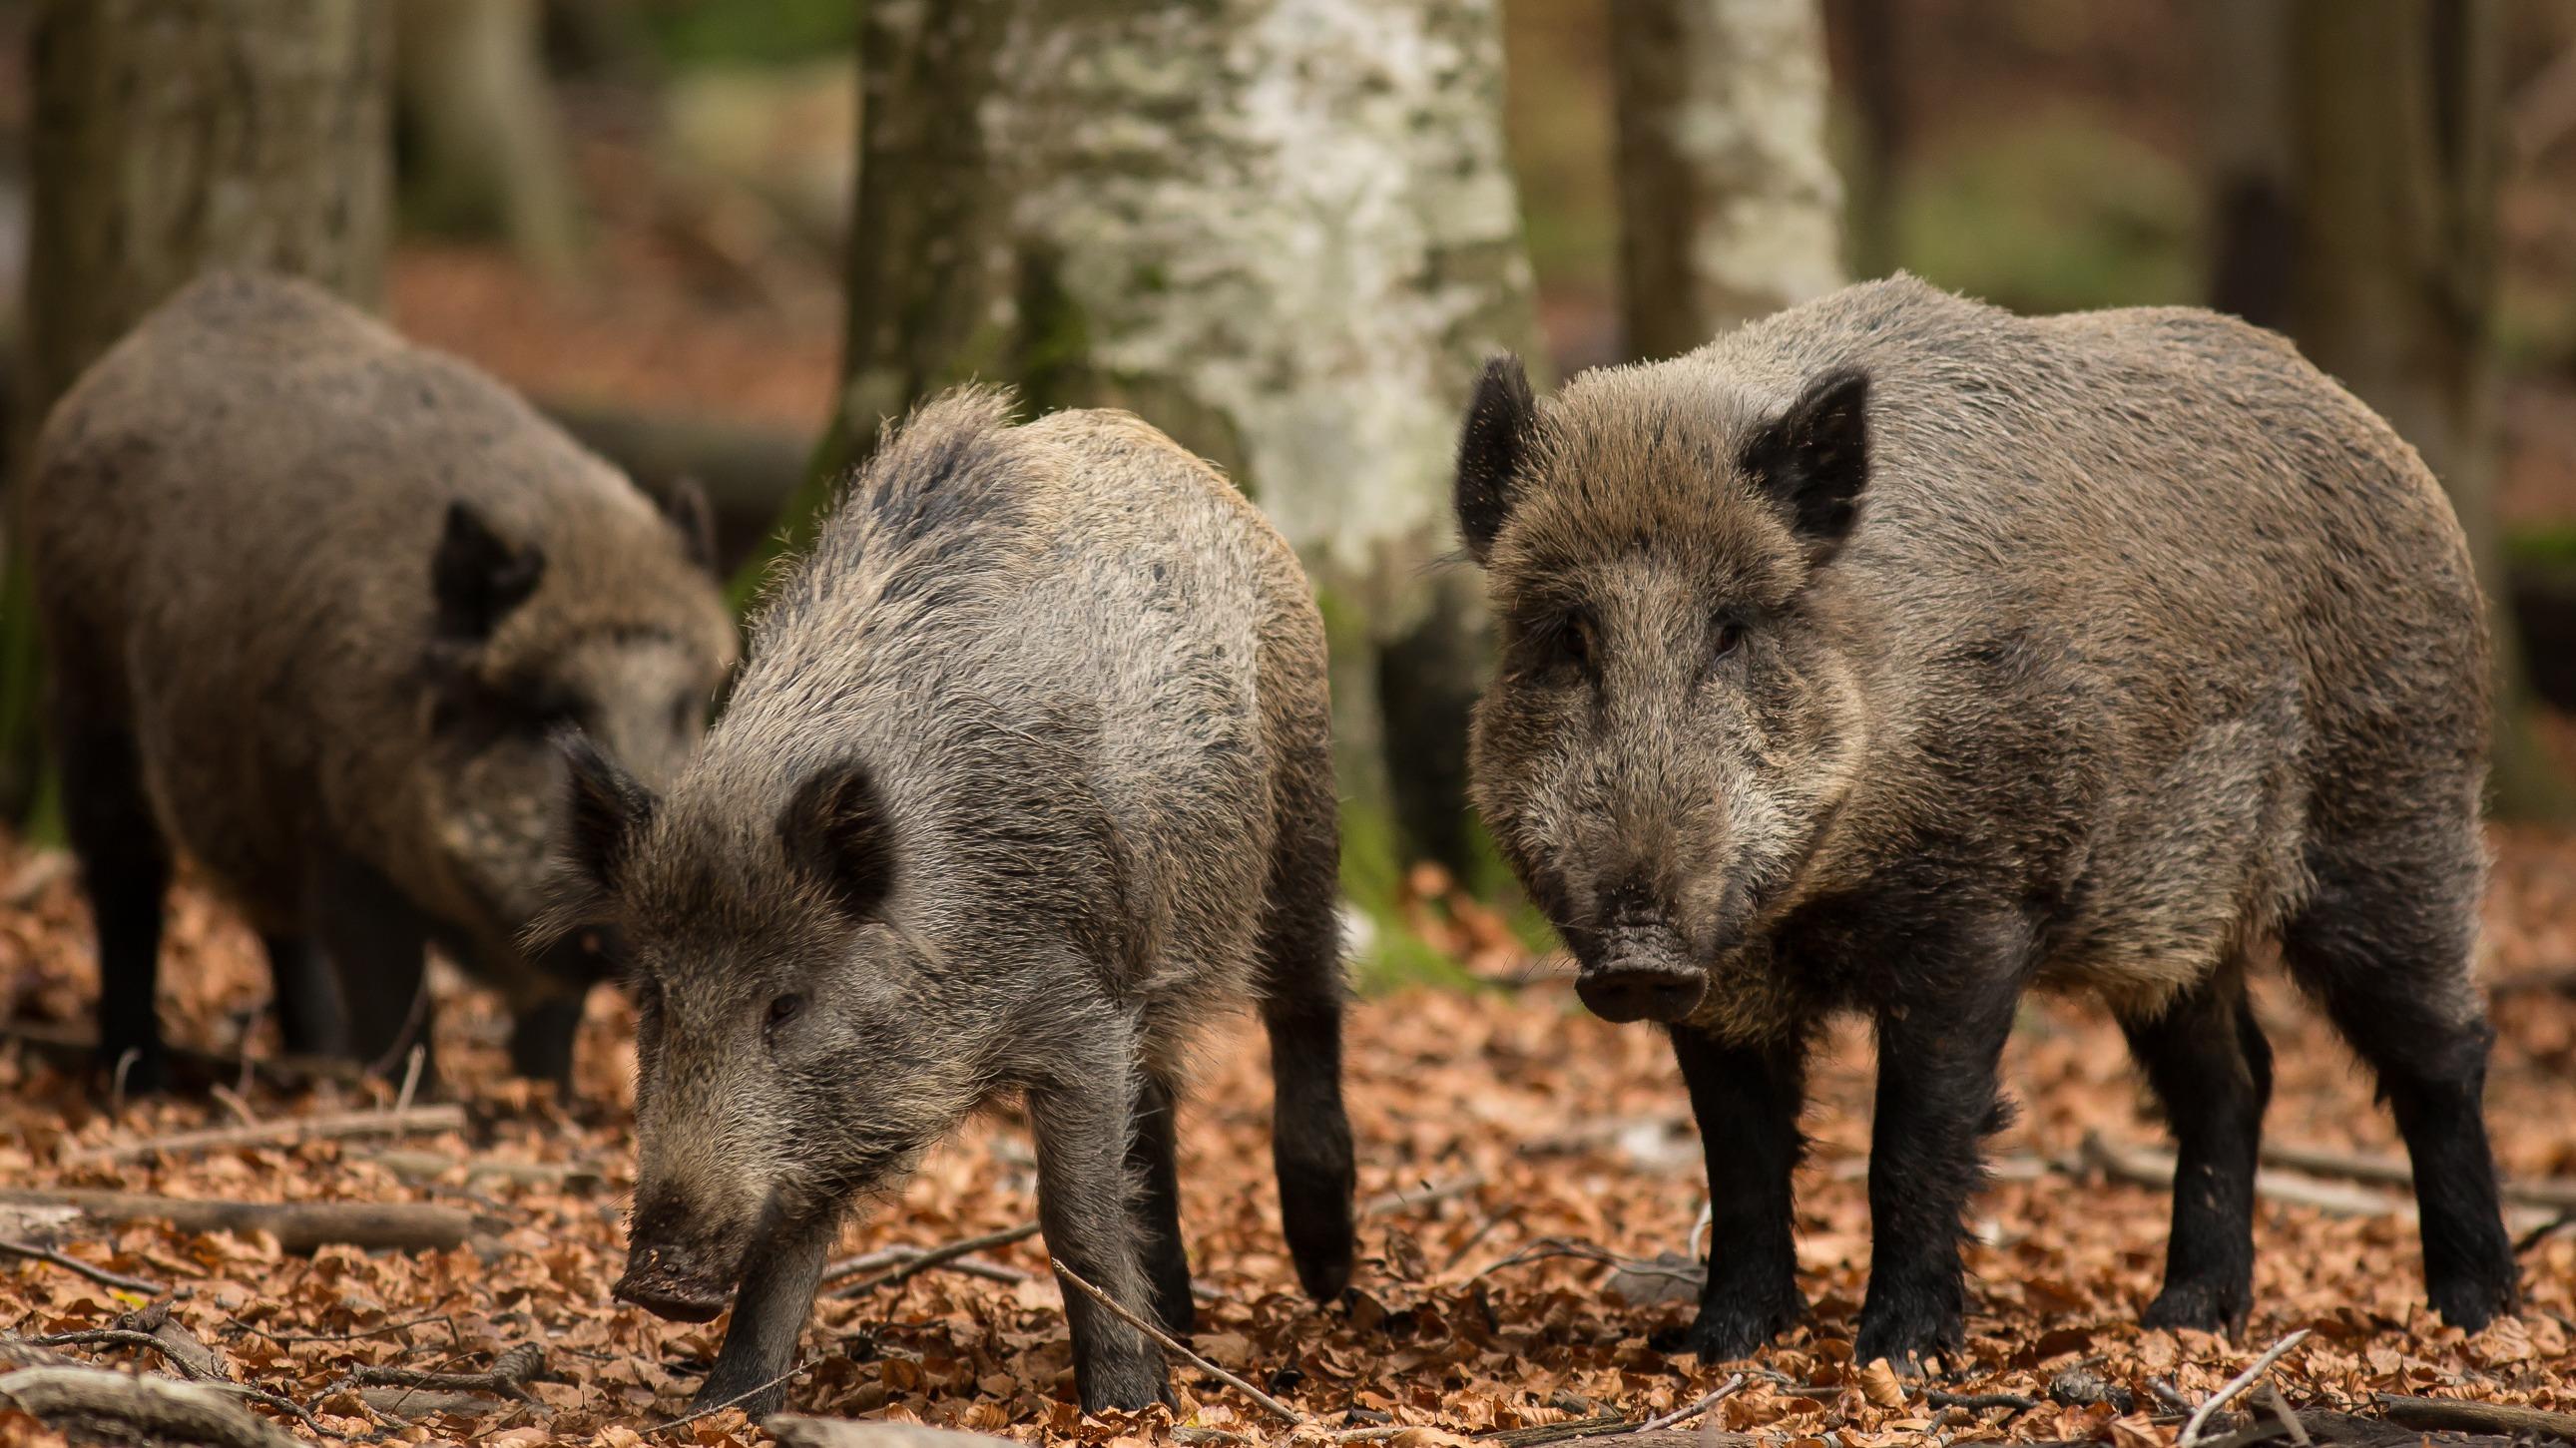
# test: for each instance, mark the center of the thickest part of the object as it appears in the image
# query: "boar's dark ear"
(1813, 460)
(1491, 448)
(477, 577)
(836, 829)
(686, 505)
(607, 808)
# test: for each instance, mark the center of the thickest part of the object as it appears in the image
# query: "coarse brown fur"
(1895, 653)
(313, 597)
(1027, 774)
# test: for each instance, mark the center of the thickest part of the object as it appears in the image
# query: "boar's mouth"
(1639, 971)
(674, 1284)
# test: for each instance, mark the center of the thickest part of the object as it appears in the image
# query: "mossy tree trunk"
(169, 136)
(1729, 205)
(2396, 142)
(1281, 230)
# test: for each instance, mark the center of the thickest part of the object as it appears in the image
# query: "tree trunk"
(2397, 139)
(1729, 206)
(1281, 230)
(485, 148)
(2243, 60)
(169, 136)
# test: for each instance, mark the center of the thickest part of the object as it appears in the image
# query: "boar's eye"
(1723, 639)
(1576, 643)
(784, 1009)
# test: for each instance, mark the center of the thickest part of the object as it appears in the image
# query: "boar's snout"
(674, 1283)
(1644, 994)
(1640, 971)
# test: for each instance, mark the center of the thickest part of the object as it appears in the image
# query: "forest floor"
(1521, 1162)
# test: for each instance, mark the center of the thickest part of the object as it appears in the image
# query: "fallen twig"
(1684, 1415)
(2290, 1423)
(2238, 1384)
(97, 1402)
(2398, 1172)
(1979, 1402)
(283, 1131)
(508, 1376)
(922, 1261)
(1538, 1435)
(2140, 1166)
(711, 1409)
(1173, 1345)
(99, 1275)
(798, 1431)
(416, 1168)
(2438, 1413)
(298, 1226)
(1421, 1196)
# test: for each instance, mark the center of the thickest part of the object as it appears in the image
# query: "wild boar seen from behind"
(313, 600)
(1895, 654)
(1027, 775)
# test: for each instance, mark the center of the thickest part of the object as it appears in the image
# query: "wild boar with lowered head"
(1895, 654)
(1027, 774)
(313, 599)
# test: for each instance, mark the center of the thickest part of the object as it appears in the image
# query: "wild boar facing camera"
(1895, 654)
(313, 599)
(1027, 774)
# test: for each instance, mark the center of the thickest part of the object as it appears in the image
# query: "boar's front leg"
(780, 1276)
(1746, 1100)
(1081, 1124)
(1937, 1101)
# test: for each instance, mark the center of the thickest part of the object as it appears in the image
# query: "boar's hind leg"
(1937, 1101)
(780, 1276)
(1084, 1208)
(2384, 943)
(1310, 1134)
(309, 1017)
(1746, 1100)
(1153, 1158)
(374, 939)
(2208, 1062)
(125, 869)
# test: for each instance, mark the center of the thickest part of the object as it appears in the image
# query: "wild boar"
(1895, 654)
(1027, 773)
(313, 599)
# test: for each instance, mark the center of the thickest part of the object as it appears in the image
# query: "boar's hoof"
(2469, 1300)
(1906, 1340)
(654, 1282)
(1728, 1333)
(2201, 1306)
(1641, 995)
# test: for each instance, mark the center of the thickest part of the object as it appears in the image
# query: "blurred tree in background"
(167, 137)
(484, 147)
(1283, 231)
(2396, 142)
(1729, 206)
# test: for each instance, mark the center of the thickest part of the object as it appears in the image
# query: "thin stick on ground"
(68, 1263)
(2290, 1423)
(282, 1131)
(1421, 1196)
(711, 1409)
(932, 1257)
(2238, 1384)
(1171, 1344)
(1684, 1415)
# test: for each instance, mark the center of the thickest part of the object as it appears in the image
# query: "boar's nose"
(1641, 993)
(671, 1283)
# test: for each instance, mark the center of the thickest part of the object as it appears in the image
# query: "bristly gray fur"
(1026, 774)
(1895, 653)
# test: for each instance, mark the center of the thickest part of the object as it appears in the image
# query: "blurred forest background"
(668, 224)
